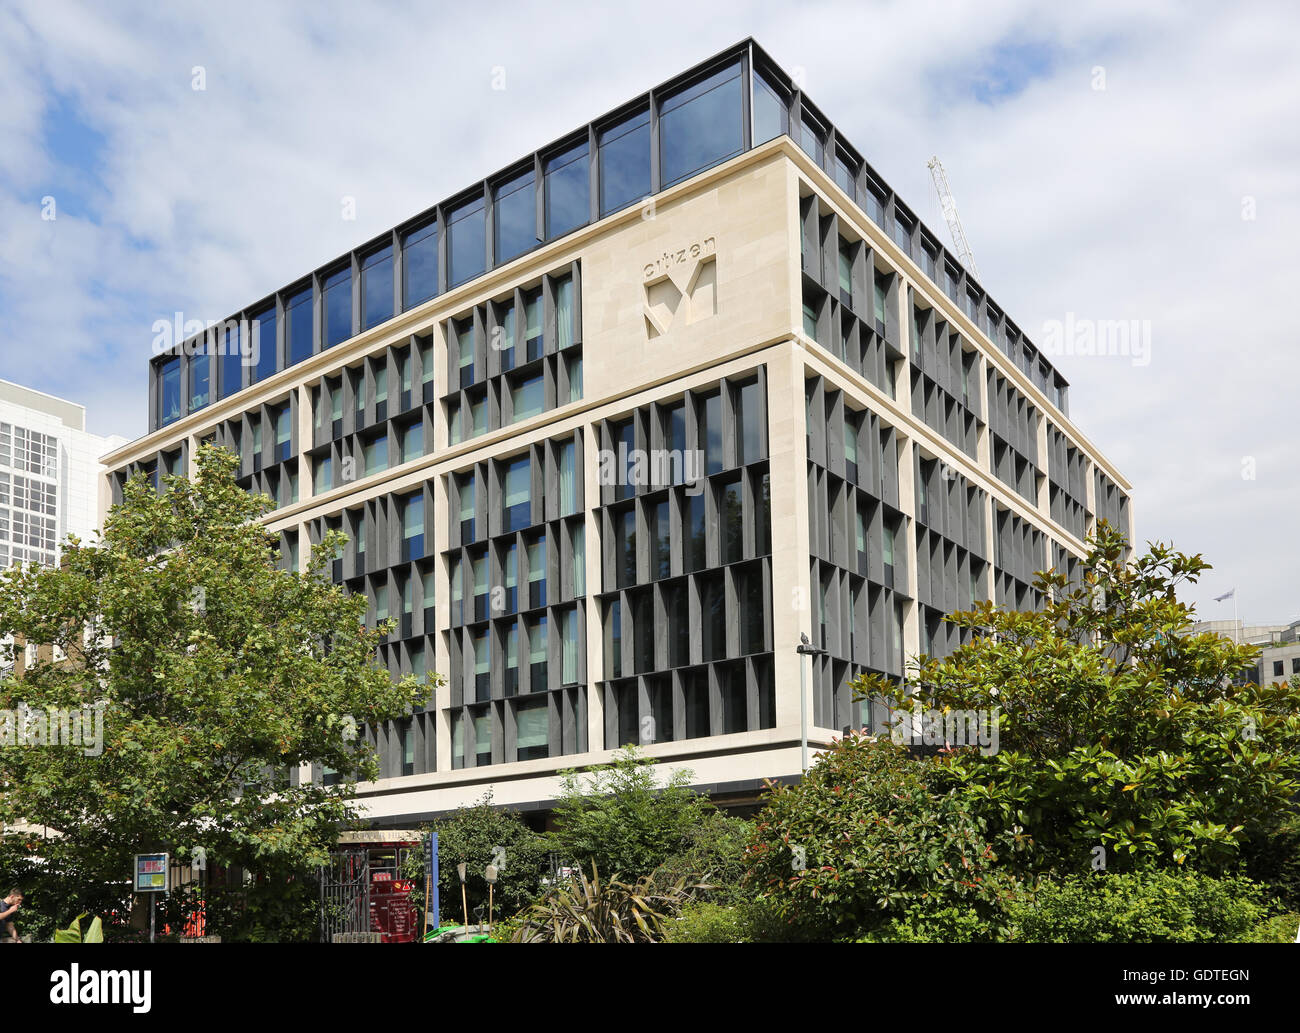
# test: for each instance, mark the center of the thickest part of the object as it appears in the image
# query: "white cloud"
(1122, 203)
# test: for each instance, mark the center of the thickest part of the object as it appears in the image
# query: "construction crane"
(964, 253)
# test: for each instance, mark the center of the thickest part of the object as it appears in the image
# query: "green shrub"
(481, 835)
(936, 925)
(863, 838)
(1151, 906)
(714, 861)
(741, 921)
(1278, 929)
(622, 818)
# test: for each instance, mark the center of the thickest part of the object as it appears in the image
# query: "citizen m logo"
(681, 287)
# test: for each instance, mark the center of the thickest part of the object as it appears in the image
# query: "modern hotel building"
(610, 429)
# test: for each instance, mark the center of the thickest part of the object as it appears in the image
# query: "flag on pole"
(1231, 593)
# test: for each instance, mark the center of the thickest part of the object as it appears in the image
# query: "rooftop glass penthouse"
(715, 111)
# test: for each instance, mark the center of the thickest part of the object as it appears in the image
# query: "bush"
(936, 925)
(743, 921)
(1278, 929)
(863, 838)
(714, 861)
(620, 818)
(473, 835)
(1137, 907)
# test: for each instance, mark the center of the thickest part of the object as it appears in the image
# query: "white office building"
(50, 475)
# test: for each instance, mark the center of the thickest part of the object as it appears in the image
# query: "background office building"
(1279, 645)
(50, 475)
(614, 426)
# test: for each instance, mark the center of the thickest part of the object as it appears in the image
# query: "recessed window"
(419, 264)
(518, 492)
(528, 397)
(514, 215)
(625, 163)
(567, 185)
(532, 730)
(336, 303)
(466, 242)
(701, 126)
(377, 287)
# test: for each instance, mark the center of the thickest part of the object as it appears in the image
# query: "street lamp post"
(805, 648)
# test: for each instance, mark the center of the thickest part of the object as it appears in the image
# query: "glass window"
(263, 329)
(454, 433)
(323, 477)
(711, 433)
(532, 729)
(466, 242)
(844, 171)
(478, 415)
(528, 397)
(750, 419)
(200, 378)
(537, 644)
(482, 734)
(419, 264)
(568, 479)
(518, 488)
(771, 116)
(336, 303)
(377, 287)
(567, 185)
(810, 138)
(809, 321)
(376, 455)
(881, 290)
(625, 163)
(413, 526)
(564, 313)
(733, 522)
(533, 326)
(412, 442)
(283, 433)
(693, 553)
(569, 646)
(514, 215)
(297, 330)
(169, 398)
(232, 361)
(579, 560)
(701, 126)
(660, 541)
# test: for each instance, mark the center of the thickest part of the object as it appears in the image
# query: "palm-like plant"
(591, 911)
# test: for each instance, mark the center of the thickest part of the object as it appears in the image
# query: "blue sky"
(1104, 157)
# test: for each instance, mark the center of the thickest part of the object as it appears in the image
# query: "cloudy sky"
(1111, 161)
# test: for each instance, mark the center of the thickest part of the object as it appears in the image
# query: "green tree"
(1118, 728)
(624, 820)
(865, 838)
(480, 835)
(216, 672)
